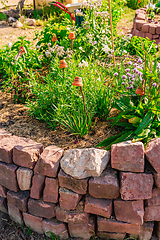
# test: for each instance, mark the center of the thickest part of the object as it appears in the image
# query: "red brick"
(146, 231)
(155, 200)
(135, 186)
(8, 176)
(129, 211)
(3, 191)
(141, 34)
(128, 156)
(111, 225)
(105, 186)
(152, 213)
(155, 36)
(149, 35)
(24, 178)
(102, 207)
(140, 16)
(139, 24)
(158, 30)
(157, 179)
(37, 186)
(145, 28)
(26, 153)
(108, 236)
(48, 163)
(84, 231)
(4, 133)
(35, 223)
(76, 185)
(40, 208)
(152, 28)
(152, 153)
(15, 214)
(3, 205)
(50, 193)
(55, 227)
(138, 11)
(68, 200)
(157, 41)
(72, 216)
(19, 199)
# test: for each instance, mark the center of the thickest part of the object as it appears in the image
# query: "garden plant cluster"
(36, 77)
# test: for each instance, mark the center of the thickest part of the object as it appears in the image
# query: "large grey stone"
(83, 163)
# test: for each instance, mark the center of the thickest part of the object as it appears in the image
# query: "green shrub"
(135, 4)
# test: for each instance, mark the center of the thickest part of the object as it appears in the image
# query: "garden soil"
(16, 119)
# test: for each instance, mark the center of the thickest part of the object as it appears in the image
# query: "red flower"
(139, 1)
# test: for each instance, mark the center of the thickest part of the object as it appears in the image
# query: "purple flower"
(140, 73)
(131, 86)
(116, 74)
(128, 74)
(123, 83)
(158, 66)
(128, 87)
(140, 60)
(124, 77)
(127, 70)
(95, 42)
(129, 63)
(130, 82)
(135, 65)
(154, 84)
(135, 69)
(133, 76)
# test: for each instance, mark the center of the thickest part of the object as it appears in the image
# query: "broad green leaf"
(142, 135)
(148, 118)
(108, 141)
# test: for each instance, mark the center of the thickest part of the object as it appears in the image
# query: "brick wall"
(124, 200)
(142, 28)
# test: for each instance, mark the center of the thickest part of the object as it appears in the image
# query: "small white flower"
(38, 47)
(48, 54)
(9, 44)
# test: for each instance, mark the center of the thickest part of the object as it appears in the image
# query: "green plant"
(137, 3)
(29, 231)
(53, 237)
(3, 17)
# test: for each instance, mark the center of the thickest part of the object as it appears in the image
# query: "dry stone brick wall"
(142, 28)
(123, 201)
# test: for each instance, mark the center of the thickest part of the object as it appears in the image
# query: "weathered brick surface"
(140, 16)
(135, 186)
(3, 205)
(55, 227)
(145, 28)
(141, 34)
(152, 28)
(155, 199)
(155, 36)
(26, 153)
(76, 185)
(19, 199)
(84, 231)
(102, 207)
(8, 176)
(108, 236)
(129, 211)
(149, 35)
(111, 225)
(35, 223)
(4, 134)
(128, 156)
(158, 30)
(48, 163)
(15, 214)
(152, 213)
(3, 191)
(157, 179)
(40, 208)
(24, 178)
(50, 193)
(139, 24)
(68, 200)
(73, 216)
(146, 231)
(152, 153)
(6, 148)
(105, 186)
(37, 186)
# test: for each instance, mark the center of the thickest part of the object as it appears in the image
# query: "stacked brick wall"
(142, 28)
(123, 201)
